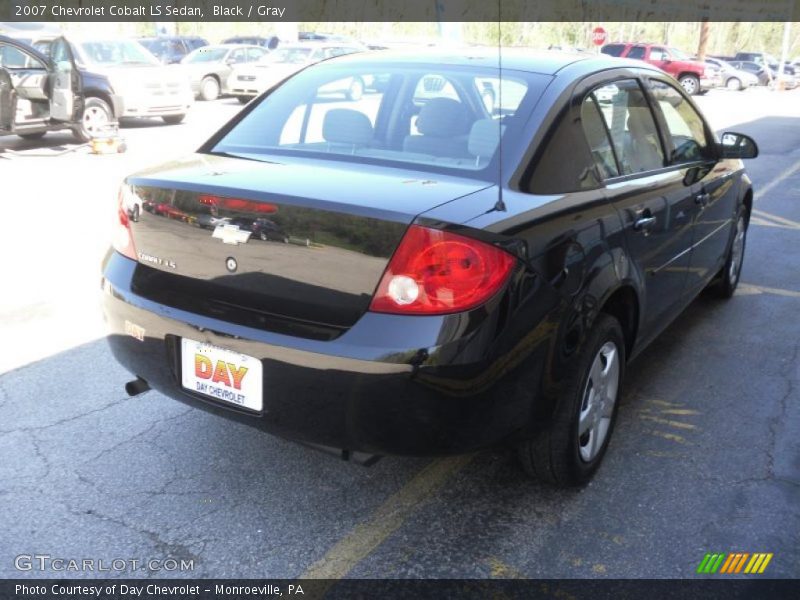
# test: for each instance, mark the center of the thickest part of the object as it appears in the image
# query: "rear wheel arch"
(623, 305)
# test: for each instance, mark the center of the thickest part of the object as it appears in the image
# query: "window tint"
(630, 122)
(597, 137)
(686, 128)
(636, 52)
(613, 49)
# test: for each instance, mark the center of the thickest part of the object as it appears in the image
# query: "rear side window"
(630, 122)
(597, 137)
(686, 129)
(636, 52)
(613, 49)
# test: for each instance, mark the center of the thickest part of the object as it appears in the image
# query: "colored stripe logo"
(734, 562)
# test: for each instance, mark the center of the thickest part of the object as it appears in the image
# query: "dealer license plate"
(221, 374)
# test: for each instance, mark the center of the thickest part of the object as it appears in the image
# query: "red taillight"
(436, 272)
(122, 236)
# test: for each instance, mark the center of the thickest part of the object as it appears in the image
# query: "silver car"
(248, 81)
(210, 67)
(733, 78)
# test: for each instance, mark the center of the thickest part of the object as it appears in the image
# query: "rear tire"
(243, 99)
(734, 84)
(209, 88)
(728, 278)
(173, 119)
(690, 84)
(569, 451)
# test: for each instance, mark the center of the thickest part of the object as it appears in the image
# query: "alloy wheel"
(599, 398)
(737, 251)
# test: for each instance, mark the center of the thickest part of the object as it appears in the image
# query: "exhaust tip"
(136, 387)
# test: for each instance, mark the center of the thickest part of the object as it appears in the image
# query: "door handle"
(644, 223)
(702, 199)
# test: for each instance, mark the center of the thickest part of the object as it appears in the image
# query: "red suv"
(694, 76)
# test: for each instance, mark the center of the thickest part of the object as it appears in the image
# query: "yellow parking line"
(764, 218)
(747, 288)
(678, 424)
(367, 536)
(760, 193)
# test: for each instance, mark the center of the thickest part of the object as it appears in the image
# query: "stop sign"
(599, 36)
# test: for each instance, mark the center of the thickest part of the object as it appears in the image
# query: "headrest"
(442, 117)
(347, 126)
(484, 137)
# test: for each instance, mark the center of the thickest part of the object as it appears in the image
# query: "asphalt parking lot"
(705, 457)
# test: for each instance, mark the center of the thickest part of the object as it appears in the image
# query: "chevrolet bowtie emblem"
(231, 234)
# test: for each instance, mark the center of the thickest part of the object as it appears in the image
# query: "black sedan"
(478, 273)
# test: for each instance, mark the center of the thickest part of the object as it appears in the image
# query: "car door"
(7, 95)
(652, 200)
(692, 147)
(66, 98)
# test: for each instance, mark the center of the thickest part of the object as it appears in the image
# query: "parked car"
(271, 42)
(147, 88)
(39, 94)
(172, 48)
(762, 73)
(210, 67)
(250, 80)
(457, 296)
(261, 228)
(765, 59)
(732, 77)
(694, 76)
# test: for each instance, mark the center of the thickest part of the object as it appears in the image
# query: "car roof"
(547, 62)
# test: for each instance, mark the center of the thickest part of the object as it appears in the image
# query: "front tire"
(209, 88)
(569, 451)
(173, 119)
(690, 84)
(97, 115)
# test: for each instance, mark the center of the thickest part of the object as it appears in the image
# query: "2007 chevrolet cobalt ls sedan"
(438, 273)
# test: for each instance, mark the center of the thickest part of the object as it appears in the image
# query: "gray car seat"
(348, 129)
(444, 124)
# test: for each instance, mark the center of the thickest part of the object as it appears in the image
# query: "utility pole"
(787, 27)
(704, 33)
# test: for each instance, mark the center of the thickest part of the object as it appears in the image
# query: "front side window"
(658, 54)
(630, 122)
(686, 128)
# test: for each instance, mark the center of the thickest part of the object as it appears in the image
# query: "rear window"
(452, 118)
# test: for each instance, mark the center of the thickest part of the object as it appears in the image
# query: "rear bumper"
(362, 391)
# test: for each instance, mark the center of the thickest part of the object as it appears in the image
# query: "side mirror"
(738, 145)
